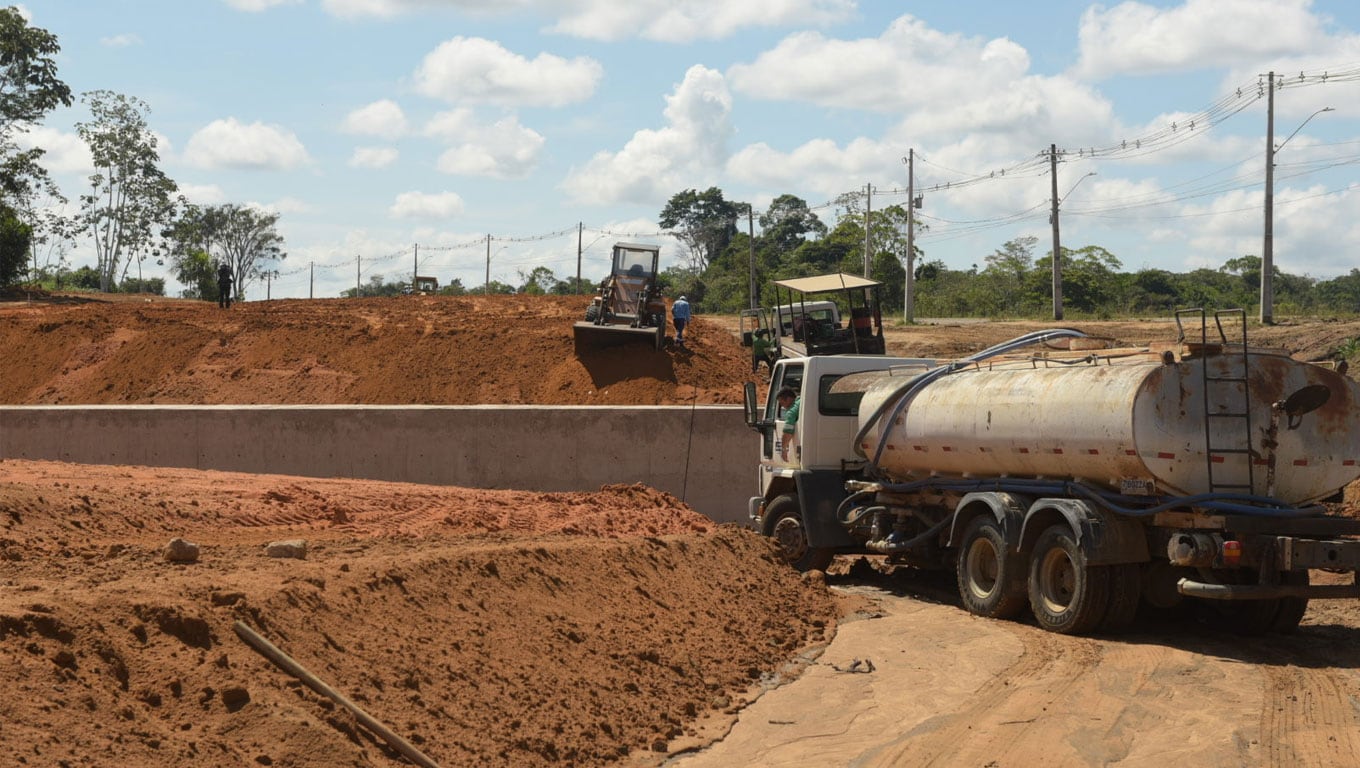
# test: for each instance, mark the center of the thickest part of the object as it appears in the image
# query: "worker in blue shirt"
(680, 314)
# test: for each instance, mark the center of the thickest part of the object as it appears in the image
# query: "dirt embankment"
(492, 628)
(413, 349)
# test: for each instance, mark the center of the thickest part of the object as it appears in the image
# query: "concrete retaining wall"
(703, 455)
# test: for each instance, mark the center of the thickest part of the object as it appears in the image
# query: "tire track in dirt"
(1307, 719)
(1012, 706)
(953, 689)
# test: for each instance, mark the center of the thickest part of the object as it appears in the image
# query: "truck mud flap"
(819, 496)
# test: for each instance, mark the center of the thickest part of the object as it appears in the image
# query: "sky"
(467, 137)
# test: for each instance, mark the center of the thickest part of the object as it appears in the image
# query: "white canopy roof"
(838, 281)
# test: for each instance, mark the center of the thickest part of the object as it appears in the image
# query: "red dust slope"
(432, 350)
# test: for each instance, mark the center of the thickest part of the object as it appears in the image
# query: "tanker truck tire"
(1065, 594)
(1126, 593)
(789, 532)
(991, 577)
(1291, 608)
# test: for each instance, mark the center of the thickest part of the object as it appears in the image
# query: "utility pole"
(358, 272)
(1268, 246)
(311, 279)
(578, 258)
(415, 266)
(868, 204)
(909, 290)
(1057, 243)
(486, 287)
(751, 235)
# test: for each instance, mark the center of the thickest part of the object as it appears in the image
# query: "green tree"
(1152, 290)
(29, 89)
(454, 288)
(129, 194)
(152, 285)
(29, 86)
(1340, 294)
(377, 286)
(703, 221)
(537, 282)
(572, 286)
(249, 244)
(14, 243)
(1090, 282)
(84, 278)
(788, 223)
(195, 270)
(496, 286)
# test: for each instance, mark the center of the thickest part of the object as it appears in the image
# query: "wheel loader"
(628, 307)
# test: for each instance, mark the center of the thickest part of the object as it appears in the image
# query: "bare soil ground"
(505, 628)
(411, 349)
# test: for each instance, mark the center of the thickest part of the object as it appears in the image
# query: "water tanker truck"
(1080, 482)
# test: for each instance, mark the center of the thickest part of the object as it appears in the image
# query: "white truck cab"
(822, 451)
(793, 318)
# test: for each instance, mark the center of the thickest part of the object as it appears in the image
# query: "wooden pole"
(286, 663)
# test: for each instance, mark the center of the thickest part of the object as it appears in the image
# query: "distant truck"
(1075, 482)
(803, 323)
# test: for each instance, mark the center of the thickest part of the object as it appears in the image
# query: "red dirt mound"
(407, 350)
(491, 628)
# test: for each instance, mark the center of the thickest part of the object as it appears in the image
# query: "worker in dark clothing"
(223, 285)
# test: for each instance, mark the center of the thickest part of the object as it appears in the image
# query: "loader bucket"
(590, 336)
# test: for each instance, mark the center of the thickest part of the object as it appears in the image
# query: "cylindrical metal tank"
(1139, 423)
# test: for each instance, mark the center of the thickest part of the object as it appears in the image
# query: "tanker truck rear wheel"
(789, 532)
(1291, 608)
(991, 577)
(1065, 594)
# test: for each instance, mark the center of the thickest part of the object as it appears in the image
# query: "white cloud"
(283, 205)
(908, 66)
(664, 20)
(229, 143)
(64, 152)
(120, 41)
(256, 6)
(816, 165)
(421, 205)
(1136, 38)
(359, 8)
(472, 69)
(504, 149)
(688, 152)
(673, 22)
(373, 157)
(203, 194)
(381, 118)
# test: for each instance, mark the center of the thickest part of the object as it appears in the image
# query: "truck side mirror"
(749, 398)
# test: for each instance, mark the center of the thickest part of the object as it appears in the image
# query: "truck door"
(790, 375)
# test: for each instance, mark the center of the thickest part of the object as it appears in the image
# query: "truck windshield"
(632, 262)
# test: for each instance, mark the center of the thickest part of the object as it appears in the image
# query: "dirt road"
(950, 689)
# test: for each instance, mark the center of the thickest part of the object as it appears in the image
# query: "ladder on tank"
(1227, 428)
